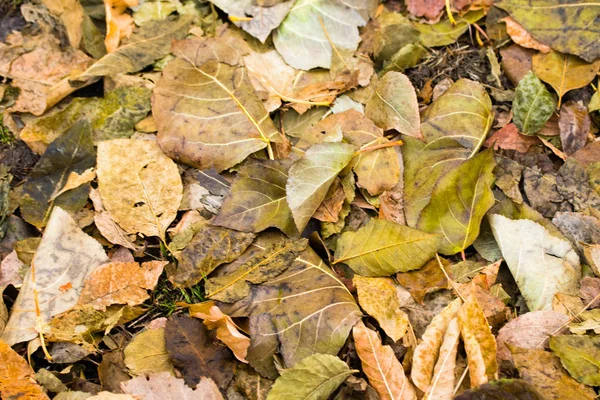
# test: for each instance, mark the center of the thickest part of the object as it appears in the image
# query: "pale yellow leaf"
(442, 384)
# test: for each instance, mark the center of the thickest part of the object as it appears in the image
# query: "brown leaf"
(16, 377)
(381, 366)
(329, 210)
(516, 62)
(427, 279)
(442, 384)
(430, 9)
(521, 37)
(574, 124)
(120, 283)
(70, 13)
(192, 351)
(164, 386)
(112, 371)
(509, 138)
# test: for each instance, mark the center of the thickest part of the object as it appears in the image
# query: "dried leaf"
(541, 264)
(575, 124)
(503, 389)
(165, 386)
(70, 13)
(119, 24)
(147, 353)
(442, 384)
(139, 185)
(509, 138)
(430, 9)
(533, 105)
(427, 279)
(381, 366)
(382, 248)
(579, 355)
(378, 297)
(315, 377)
(521, 37)
(445, 32)
(53, 285)
(516, 62)
(16, 377)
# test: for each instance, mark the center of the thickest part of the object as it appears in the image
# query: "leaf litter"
(249, 199)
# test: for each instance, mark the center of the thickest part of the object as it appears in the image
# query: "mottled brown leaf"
(427, 279)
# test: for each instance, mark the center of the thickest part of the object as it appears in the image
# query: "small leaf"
(166, 387)
(147, 353)
(312, 175)
(382, 248)
(381, 366)
(394, 105)
(442, 383)
(533, 105)
(520, 36)
(459, 202)
(315, 377)
(427, 279)
(580, 356)
(17, 379)
(379, 298)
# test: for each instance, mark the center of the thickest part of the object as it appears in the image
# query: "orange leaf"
(521, 37)
(118, 24)
(16, 377)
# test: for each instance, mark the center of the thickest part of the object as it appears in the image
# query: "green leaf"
(312, 175)
(462, 114)
(514, 389)
(458, 203)
(394, 105)
(445, 32)
(301, 40)
(541, 264)
(72, 152)
(257, 199)
(580, 355)
(533, 105)
(382, 248)
(314, 378)
(150, 43)
(567, 26)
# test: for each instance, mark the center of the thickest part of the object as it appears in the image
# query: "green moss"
(6, 137)
(165, 297)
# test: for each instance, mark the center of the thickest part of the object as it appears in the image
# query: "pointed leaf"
(312, 175)
(541, 264)
(459, 201)
(580, 356)
(17, 379)
(166, 387)
(442, 384)
(533, 105)
(315, 377)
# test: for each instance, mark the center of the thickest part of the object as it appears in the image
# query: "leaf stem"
(379, 146)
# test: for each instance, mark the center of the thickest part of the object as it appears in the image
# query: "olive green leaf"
(394, 105)
(218, 121)
(459, 202)
(533, 105)
(305, 301)
(382, 248)
(394, 32)
(445, 32)
(303, 43)
(462, 114)
(257, 199)
(312, 175)
(315, 377)
(569, 27)
(541, 264)
(72, 152)
(423, 167)
(580, 355)
(111, 117)
(151, 42)
(294, 124)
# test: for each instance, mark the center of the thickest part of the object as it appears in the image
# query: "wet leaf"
(533, 105)
(381, 366)
(458, 203)
(53, 284)
(541, 264)
(258, 199)
(566, 27)
(394, 105)
(442, 384)
(311, 176)
(521, 37)
(147, 353)
(579, 355)
(210, 247)
(165, 386)
(427, 279)
(17, 379)
(120, 283)
(382, 248)
(379, 298)
(515, 389)
(151, 42)
(301, 40)
(315, 377)
(140, 186)
(192, 352)
(73, 152)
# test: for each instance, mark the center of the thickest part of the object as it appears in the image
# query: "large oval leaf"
(533, 105)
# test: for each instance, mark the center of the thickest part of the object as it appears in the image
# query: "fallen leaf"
(382, 248)
(140, 186)
(589, 322)
(378, 297)
(74, 180)
(381, 366)
(64, 245)
(147, 353)
(575, 125)
(152, 11)
(17, 379)
(533, 105)
(394, 105)
(445, 32)
(310, 177)
(541, 264)
(442, 383)
(165, 386)
(457, 214)
(430, 9)
(565, 27)
(427, 279)
(516, 62)
(119, 24)
(502, 389)
(316, 376)
(120, 283)
(302, 41)
(191, 351)
(579, 355)
(73, 152)
(329, 210)
(71, 14)
(521, 37)
(509, 138)
(112, 371)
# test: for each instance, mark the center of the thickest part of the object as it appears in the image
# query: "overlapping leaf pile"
(261, 204)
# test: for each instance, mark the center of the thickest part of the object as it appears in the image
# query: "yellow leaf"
(74, 180)
(119, 25)
(70, 14)
(442, 384)
(16, 377)
(147, 353)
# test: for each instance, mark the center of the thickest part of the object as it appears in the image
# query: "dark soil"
(18, 158)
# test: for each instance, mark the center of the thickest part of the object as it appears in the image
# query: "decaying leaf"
(533, 105)
(17, 379)
(379, 298)
(446, 32)
(579, 355)
(64, 259)
(382, 248)
(147, 353)
(381, 366)
(502, 389)
(139, 185)
(316, 376)
(427, 279)
(541, 264)
(119, 24)
(521, 37)
(165, 386)
(71, 14)
(442, 384)
(509, 138)
(575, 125)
